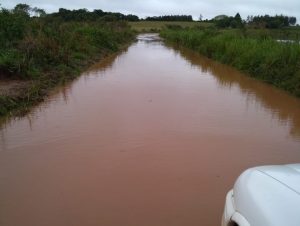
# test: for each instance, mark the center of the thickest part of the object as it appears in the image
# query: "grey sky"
(142, 8)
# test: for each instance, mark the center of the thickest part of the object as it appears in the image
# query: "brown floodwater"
(154, 136)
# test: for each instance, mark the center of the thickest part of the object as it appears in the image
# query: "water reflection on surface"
(153, 136)
(281, 105)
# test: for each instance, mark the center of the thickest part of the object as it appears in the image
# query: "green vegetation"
(85, 15)
(170, 18)
(48, 50)
(155, 26)
(287, 33)
(233, 22)
(266, 21)
(261, 57)
(278, 21)
(279, 26)
(42, 50)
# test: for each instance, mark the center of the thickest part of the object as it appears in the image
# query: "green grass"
(146, 26)
(288, 33)
(50, 52)
(262, 58)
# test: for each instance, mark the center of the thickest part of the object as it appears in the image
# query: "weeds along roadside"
(261, 56)
(48, 52)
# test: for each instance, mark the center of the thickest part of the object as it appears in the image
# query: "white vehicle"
(265, 196)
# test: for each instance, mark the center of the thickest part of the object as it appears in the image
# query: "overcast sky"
(142, 8)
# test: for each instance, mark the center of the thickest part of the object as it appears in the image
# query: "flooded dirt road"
(155, 136)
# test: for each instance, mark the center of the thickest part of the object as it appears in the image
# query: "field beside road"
(146, 26)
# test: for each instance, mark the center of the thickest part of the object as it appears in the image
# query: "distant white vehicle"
(265, 196)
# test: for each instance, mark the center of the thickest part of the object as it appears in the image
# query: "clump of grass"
(262, 58)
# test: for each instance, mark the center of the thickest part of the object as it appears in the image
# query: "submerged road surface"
(155, 136)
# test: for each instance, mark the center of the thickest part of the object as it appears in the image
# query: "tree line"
(85, 15)
(170, 18)
(225, 21)
(221, 21)
(266, 21)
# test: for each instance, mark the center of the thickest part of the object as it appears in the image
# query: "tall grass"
(263, 58)
(49, 51)
(51, 47)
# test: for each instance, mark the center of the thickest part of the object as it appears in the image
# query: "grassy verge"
(287, 33)
(262, 58)
(48, 53)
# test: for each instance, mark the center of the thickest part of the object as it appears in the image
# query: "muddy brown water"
(154, 136)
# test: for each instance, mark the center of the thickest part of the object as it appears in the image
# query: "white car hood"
(269, 195)
(289, 175)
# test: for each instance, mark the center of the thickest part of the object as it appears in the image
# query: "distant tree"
(99, 13)
(238, 21)
(200, 17)
(292, 20)
(219, 17)
(223, 21)
(38, 12)
(85, 15)
(249, 19)
(131, 17)
(238, 18)
(274, 22)
(171, 18)
(22, 9)
(63, 13)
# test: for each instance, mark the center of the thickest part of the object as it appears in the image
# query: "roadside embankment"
(40, 53)
(263, 58)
